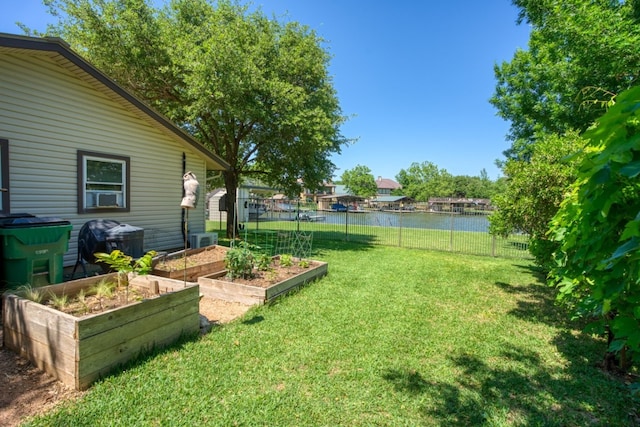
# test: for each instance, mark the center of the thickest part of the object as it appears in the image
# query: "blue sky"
(414, 77)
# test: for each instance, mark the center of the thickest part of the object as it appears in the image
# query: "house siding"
(47, 113)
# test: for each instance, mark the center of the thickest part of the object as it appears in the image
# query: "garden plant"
(389, 337)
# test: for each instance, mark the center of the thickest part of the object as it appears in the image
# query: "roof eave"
(59, 46)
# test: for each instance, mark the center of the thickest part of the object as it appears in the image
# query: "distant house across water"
(386, 186)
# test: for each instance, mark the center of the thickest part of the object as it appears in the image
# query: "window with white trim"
(103, 182)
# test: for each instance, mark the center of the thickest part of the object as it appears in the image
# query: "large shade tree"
(475, 187)
(420, 181)
(360, 181)
(253, 89)
(580, 54)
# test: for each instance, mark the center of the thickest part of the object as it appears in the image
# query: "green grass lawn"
(391, 337)
(475, 243)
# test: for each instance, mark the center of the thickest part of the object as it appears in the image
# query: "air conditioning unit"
(107, 200)
(200, 240)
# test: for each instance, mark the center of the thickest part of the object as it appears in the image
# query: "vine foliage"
(597, 269)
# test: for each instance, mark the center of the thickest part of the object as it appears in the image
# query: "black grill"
(92, 238)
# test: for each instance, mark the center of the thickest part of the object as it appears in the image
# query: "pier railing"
(462, 231)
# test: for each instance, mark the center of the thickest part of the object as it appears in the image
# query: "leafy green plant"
(272, 275)
(598, 230)
(534, 190)
(264, 262)
(124, 264)
(239, 262)
(304, 263)
(286, 260)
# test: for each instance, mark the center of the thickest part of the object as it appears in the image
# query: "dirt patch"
(177, 261)
(105, 295)
(221, 312)
(26, 391)
(275, 273)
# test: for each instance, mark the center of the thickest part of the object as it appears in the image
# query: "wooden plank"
(32, 319)
(22, 336)
(238, 292)
(224, 285)
(59, 362)
(72, 287)
(229, 291)
(192, 272)
(231, 295)
(213, 287)
(164, 284)
(47, 336)
(123, 334)
(295, 281)
(95, 324)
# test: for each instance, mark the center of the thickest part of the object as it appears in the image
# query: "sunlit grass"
(475, 243)
(391, 337)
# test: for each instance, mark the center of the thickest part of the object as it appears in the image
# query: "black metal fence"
(276, 224)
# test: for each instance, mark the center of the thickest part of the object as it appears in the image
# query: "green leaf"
(603, 175)
(631, 170)
(624, 326)
(624, 249)
(616, 345)
(632, 229)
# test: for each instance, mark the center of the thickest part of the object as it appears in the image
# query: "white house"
(75, 145)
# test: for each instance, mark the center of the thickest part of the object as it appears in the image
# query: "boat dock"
(311, 218)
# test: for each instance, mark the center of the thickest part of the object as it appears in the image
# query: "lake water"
(478, 223)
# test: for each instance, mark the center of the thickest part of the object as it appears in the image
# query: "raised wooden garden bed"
(199, 262)
(218, 286)
(79, 350)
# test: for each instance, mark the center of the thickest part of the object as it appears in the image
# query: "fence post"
(346, 224)
(493, 245)
(451, 235)
(400, 228)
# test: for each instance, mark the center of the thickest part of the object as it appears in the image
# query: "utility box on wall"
(200, 240)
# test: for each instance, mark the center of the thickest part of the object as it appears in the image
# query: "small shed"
(217, 208)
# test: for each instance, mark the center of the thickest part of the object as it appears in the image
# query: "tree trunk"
(231, 182)
(615, 362)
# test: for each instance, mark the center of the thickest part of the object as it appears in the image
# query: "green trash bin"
(32, 250)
